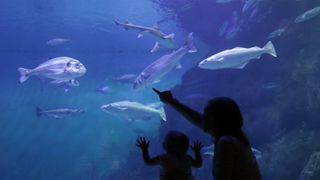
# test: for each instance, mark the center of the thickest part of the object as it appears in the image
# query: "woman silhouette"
(222, 119)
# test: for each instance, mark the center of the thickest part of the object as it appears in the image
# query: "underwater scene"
(77, 78)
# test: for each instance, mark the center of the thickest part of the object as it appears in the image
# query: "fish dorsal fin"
(169, 36)
(156, 26)
(155, 47)
(237, 48)
(127, 21)
(242, 65)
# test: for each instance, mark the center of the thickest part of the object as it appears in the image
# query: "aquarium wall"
(77, 77)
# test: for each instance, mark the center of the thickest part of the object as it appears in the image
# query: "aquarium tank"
(77, 78)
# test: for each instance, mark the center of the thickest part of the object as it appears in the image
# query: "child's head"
(176, 143)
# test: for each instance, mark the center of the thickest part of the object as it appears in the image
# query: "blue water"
(279, 97)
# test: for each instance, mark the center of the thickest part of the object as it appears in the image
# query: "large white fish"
(59, 68)
(308, 15)
(155, 71)
(161, 38)
(237, 57)
(134, 110)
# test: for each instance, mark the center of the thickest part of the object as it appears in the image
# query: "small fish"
(276, 33)
(161, 38)
(237, 57)
(155, 71)
(134, 110)
(223, 1)
(65, 84)
(209, 151)
(308, 15)
(104, 90)
(59, 68)
(269, 85)
(57, 41)
(126, 78)
(58, 113)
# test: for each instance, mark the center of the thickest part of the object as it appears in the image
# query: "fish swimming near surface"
(65, 84)
(156, 70)
(154, 32)
(237, 57)
(57, 41)
(59, 68)
(308, 15)
(133, 111)
(58, 113)
(209, 151)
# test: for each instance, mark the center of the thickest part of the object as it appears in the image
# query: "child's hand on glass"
(197, 146)
(143, 143)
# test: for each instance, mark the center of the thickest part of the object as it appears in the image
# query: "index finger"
(156, 90)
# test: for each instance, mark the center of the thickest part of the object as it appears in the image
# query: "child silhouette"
(175, 164)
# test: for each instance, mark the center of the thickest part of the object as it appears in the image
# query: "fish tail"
(189, 44)
(24, 74)
(38, 112)
(269, 48)
(162, 114)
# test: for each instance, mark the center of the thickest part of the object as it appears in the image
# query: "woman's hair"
(176, 143)
(222, 115)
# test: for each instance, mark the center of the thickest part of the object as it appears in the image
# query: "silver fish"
(59, 68)
(134, 110)
(308, 15)
(65, 84)
(155, 71)
(237, 57)
(57, 41)
(161, 38)
(58, 113)
(275, 33)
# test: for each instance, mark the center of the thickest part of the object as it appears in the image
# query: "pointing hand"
(165, 96)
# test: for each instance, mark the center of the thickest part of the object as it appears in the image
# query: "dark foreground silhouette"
(175, 164)
(222, 119)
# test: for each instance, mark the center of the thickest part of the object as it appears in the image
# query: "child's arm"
(144, 145)
(197, 162)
